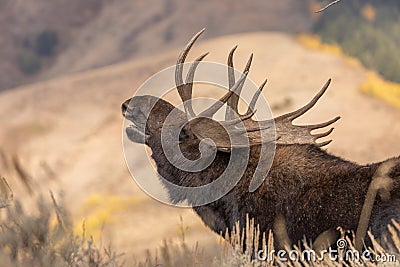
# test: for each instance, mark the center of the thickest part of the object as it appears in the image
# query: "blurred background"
(66, 66)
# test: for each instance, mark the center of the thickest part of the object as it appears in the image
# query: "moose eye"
(183, 135)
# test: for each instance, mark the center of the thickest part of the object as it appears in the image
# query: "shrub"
(46, 42)
(388, 91)
(373, 39)
(28, 62)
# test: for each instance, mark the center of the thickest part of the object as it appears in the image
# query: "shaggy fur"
(313, 190)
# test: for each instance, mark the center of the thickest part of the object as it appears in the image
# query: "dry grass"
(241, 250)
(32, 239)
(46, 238)
(103, 209)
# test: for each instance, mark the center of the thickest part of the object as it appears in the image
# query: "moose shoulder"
(313, 191)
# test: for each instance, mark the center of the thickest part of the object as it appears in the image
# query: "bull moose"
(309, 189)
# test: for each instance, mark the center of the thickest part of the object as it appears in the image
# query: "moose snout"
(125, 106)
(132, 112)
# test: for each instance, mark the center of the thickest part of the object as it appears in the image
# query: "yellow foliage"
(374, 84)
(314, 42)
(102, 209)
(377, 86)
(368, 12)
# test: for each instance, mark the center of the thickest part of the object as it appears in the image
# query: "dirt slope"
(73, 124)
(97, 33)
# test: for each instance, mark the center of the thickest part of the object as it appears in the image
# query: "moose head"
(310, 189)
(148, 123)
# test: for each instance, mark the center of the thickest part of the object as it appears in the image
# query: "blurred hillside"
(41, 39)
(368, 30)
(66, 132)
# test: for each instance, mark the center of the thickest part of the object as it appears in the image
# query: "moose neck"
(190, 151)
(304, 166)
(298, 178)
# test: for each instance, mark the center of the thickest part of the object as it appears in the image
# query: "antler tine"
(240, 119)
(229, 113)
(234, 100)
(255, 97)
(295, 114)
(182, 89)
(322, 125)
(231, 70)
(217, 105)
(192, 70)
(248, 64)
(316, 136)
(323, 143)
(302, 133)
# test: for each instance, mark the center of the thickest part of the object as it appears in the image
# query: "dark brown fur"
(313, 190)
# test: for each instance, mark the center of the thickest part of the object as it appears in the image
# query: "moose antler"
(185, 89)
(241, 130)
(288, 132)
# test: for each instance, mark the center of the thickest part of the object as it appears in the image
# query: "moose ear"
(205, 128)
(135, 135)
